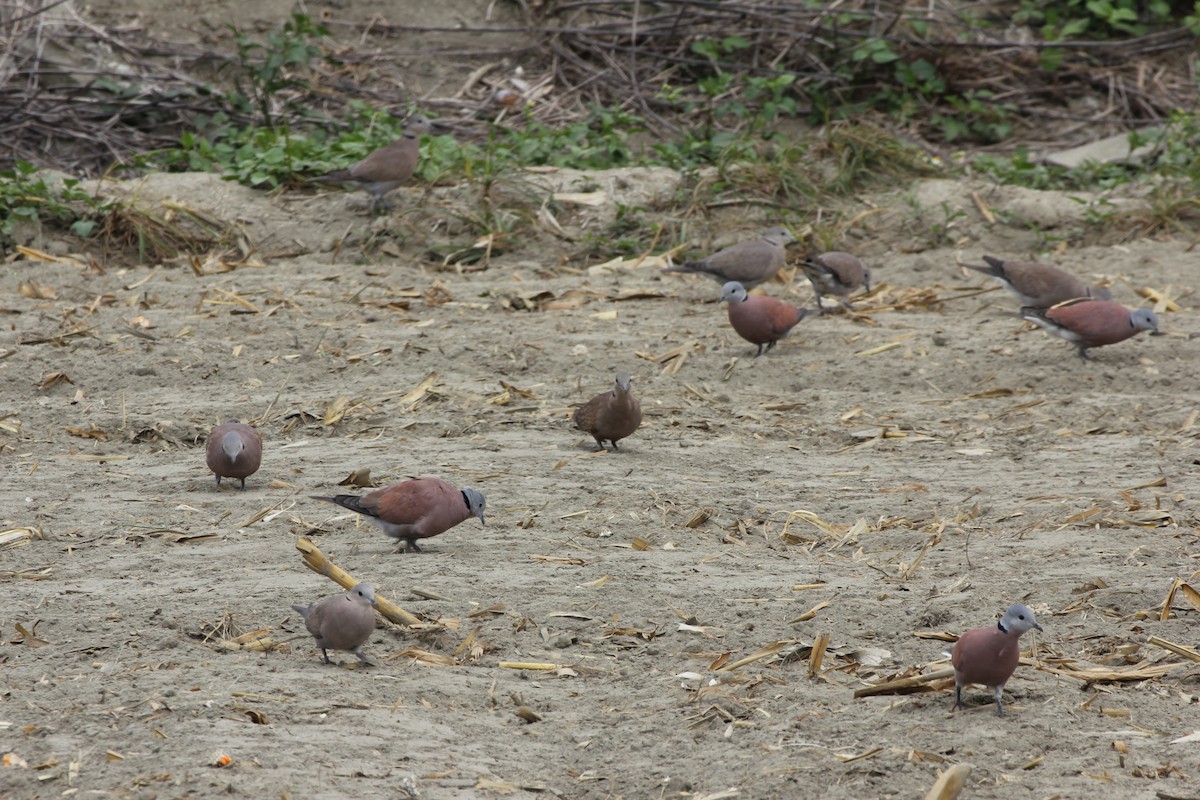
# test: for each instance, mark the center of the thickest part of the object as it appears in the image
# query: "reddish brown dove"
(1092, 323)
(759, 319)
(342, 621)
(836, 273)
(233, 450)
(749, 263)
(989, 655)
(386, 168)
(417, 508)
(612, 415)
(1038, 285)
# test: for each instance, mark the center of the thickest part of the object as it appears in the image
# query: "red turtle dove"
(612, 415)
(386, 168)
(989, 655)
(1092, 323)
(749, 263)
(1038, 285)
(417, 508)
(342, 621)
(836, 273)
(233, 450)
(759, 319)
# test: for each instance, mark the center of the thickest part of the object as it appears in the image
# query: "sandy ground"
(902, 472)
(888, 478)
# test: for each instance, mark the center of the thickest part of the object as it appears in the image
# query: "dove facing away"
(838, 274)
(417, 508)
(1038, 285)
(386, 168)
(611, 415)
(749, 263)
(1092, 323)
(233, 450)
(990, 655)
(759, 319)
(342, 621)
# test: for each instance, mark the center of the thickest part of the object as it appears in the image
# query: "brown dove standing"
(417, 508)
(342, 621)
(1038, 285)
(612, 415)
(749, 263)
(233, 450)
(759, 319)
(836, 273)
(386, 168)
(1092, 323)
(989, 655)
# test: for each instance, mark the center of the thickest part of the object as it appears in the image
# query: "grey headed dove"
(759, 319)
(386, 168)
(417, 508)
(989, 655)
(342, 621)
(1038, 285)
(612, 415)
(749, 263)
(1092, 323)
(233, 450)
(838, 274)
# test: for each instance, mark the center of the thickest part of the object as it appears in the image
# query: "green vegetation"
(732, 118)
(266, 72)
(29, 196)
(730, 122)
(1102, 19)
(937, 92)
(1174, 156)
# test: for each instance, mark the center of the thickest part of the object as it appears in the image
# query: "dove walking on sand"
(1092, 323)
(1038, 285)
(989, 655)
(838, 274)
(759, 319)
(233, 450)
(417, 508)
(386, 168)
(611, 415)
(342, 621)
(749, 263)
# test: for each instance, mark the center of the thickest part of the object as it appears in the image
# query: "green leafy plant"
(27, 195)
(265, 70)
(1059, 20)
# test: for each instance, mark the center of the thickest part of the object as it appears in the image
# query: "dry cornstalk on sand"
(950, 783)
(320, 564)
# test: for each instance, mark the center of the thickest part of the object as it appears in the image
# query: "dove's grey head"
(733, 291)
(476, 502)
(1144, 320)
(232, 444)
(623, 382)
(363, 593)
(419, 123)
(1018, 619)
(779, 235)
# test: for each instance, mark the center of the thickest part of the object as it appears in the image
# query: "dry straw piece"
(315, 560)
(950, 783)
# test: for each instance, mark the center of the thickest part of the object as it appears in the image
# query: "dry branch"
(909, 685)
(80, 97)
(315, 560)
